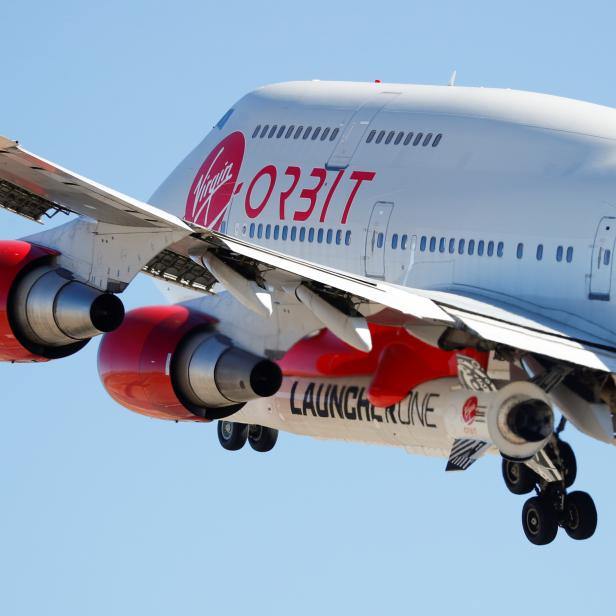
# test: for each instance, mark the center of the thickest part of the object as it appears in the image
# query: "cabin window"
(311, 235)
(380, 240)
(394, 241)
(432, 244)
(285, 231)
(260, 231)
(480, 247)
(422, 243)
(334, 134)
(256, 131)
(399, 138)
(569, 254)
(390, 136)
(272, 131)
(408, 139)
(307, 132)
(441, 245)
(338, 237)
(559, 254)
(437, 140)
(405, 239)
(347, 238)
(330, 236)
(315, 135)
(452, 246)
(370, 136)
(268, 231)
(298, 132)
(324, 134)
(293, 233)
(264, 131)
(418, 139)
(280, 131)
(500, 249)
(320, 236)
(380, 137)
(490, 248)
(539, 252)
(461, 247)
(520, 251)
(302, 234)
(471, 247)
(427, 139)
(289, 131)
(252, 230)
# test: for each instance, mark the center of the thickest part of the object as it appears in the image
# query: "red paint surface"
(214, 184)
(398, 362)
(133, 360)
(15, 255)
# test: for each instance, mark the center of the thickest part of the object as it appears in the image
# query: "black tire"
(262, 439)
(580, 515)
(519, 479)
(569, 463)
(539, 521)
(231, 435)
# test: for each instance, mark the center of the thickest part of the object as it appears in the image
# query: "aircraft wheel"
(232, 435)
(580, 515)
(261, 438)
(569, 463)
(519, 479)
(539, 521)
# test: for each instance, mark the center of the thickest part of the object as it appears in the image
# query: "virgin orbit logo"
(469, 410)
(214, 184)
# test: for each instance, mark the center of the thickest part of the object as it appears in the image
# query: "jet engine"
(44, 312)
(169, 362)
(520, 420)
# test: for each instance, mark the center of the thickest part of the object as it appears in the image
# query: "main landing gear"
(233, 436)
(552, 507)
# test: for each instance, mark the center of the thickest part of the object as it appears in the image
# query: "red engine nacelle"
(168, 362)
(45, 313)
(398, 362)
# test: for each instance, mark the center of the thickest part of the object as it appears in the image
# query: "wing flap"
(391, 296)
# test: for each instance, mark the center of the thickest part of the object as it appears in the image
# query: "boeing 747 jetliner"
(424, 267)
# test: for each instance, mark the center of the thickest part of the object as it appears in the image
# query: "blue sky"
(105, 512)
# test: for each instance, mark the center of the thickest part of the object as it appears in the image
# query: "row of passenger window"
(398, 137)
(482, 247)
(294, 132)
(294, 234)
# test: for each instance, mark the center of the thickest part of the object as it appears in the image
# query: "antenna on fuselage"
(452, 79)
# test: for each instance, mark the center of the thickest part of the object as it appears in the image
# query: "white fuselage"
(506, 194)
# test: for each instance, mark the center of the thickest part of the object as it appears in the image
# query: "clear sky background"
(105, 512)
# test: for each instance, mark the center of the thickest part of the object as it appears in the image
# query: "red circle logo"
(214, 184)
(469, 410)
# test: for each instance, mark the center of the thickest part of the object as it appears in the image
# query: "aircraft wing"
(486, 318)
(34, 187)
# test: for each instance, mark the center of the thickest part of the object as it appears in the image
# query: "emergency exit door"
(376, 239)
(602, 259)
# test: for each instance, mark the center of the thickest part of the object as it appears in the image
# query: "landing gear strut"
(552, 507)
(233, 436)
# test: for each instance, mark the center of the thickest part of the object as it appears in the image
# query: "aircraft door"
(376, 239)
(602, 259)
(355, 129)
